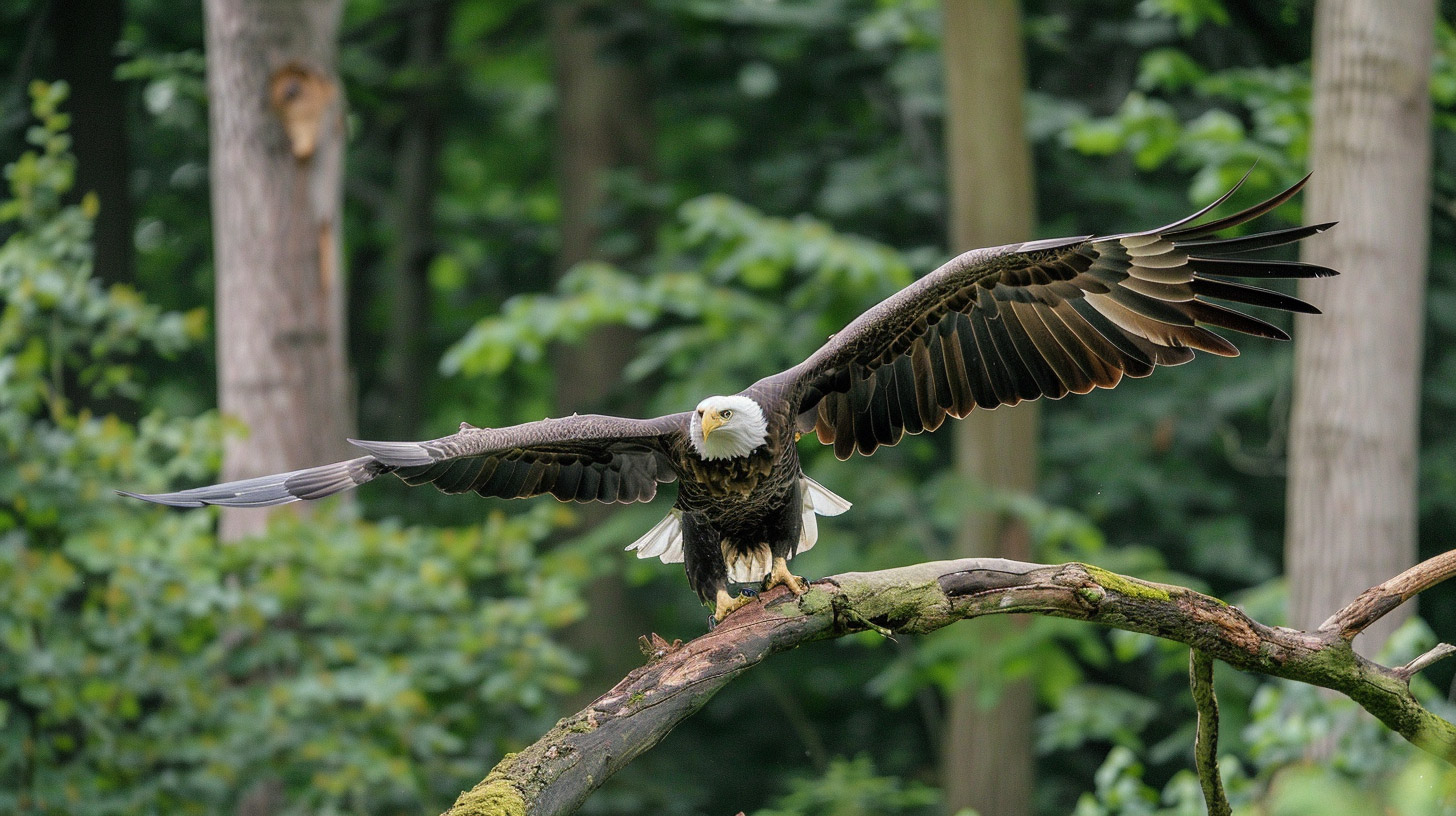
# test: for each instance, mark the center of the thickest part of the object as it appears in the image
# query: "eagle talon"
(727, 605)
(782, 577)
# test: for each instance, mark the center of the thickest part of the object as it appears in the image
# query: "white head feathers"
(735, 427)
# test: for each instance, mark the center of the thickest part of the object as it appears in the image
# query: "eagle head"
(728, 427)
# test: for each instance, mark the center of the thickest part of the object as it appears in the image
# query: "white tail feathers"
(665, 540)
(824, 502)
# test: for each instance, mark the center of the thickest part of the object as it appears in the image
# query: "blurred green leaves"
(146, 668)
(729, 294)
(851, 787)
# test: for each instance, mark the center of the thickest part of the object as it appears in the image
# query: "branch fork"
(557, 773)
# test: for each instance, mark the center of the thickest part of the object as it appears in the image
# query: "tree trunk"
(277, 138)
(1352, 500)
(986, 753)
(86, 33)
(603, 123)
(413, 215)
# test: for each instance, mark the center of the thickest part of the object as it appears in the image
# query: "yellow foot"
(782, 577)
(726, 605)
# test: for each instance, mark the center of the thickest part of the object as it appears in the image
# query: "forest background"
(763, 172)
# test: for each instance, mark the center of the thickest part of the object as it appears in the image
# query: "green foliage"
(146, 668)
(850, 787)
(1157, 123)
(1369, 769)
(729, 287)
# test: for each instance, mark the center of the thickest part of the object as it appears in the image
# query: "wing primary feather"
(1225, 318)
(1253, 243)
(1253, 268)
(1200, 230)
(1252, 295)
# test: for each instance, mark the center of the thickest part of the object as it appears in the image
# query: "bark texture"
(1352, 500)
(987, 761)
(557, 773)
(277, 139)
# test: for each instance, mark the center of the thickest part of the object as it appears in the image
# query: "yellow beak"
(711, 422)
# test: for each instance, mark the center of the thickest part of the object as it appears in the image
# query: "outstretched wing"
(1046, 318)
(575, 458)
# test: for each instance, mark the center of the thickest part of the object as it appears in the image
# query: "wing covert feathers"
(1047, 318)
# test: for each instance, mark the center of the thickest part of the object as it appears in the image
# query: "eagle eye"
(726, 413)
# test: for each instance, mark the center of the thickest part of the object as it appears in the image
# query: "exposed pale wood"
(557, 773)
(1387, 596)
(1353, 439)
(276, 134)
(986, 754)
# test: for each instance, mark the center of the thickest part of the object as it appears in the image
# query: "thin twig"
(1440, 652)
(1205, 739)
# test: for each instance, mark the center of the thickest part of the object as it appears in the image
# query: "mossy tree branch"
(557, 773)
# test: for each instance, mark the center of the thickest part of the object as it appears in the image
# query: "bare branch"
(1440, 652)
(1205, 740)
(556, 774)
(1377, 601)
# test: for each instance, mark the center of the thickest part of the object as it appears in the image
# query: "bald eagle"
(991, 327)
